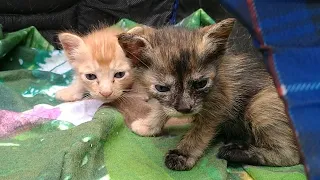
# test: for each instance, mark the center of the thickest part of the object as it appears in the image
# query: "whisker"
(123, 99)
(137, 58)
(208, 112)
(134, 91)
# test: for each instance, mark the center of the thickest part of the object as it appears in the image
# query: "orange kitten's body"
(101, 67)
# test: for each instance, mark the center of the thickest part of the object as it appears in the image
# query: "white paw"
(140, 128)
(68, 95)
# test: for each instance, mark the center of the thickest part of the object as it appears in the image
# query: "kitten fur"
(98, 54)
(190, 73)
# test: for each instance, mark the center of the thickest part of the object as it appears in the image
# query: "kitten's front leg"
(143, 118)
(71, 93)
(192, 146)
(153, 123)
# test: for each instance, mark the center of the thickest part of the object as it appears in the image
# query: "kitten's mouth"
(110, 99)
(105, 99)
(174, 113)
(183, 115)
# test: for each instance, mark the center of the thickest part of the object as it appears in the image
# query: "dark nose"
(184, 108)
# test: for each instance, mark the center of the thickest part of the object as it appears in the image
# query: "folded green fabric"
(129, 156)
(132, 157)
(46, 139)
(73, 154)
(21, 44)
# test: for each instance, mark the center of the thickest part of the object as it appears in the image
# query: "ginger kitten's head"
(176, 65)
(99, 62)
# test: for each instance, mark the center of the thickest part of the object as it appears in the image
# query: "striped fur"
(238, 102)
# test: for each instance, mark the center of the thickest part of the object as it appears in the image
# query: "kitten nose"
(106, 93)
(184, 108)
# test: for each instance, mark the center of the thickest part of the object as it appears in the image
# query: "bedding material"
(42, 138)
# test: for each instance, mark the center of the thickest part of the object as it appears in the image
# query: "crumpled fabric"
(42, 138)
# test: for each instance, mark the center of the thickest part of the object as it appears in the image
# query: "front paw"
(178, 161)
(235, 152)
(139, 127)
(144, 97)
(68, 95)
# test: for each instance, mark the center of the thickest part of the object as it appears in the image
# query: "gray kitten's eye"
(119, 74)
(91, 76)
(162, 88)
(200, 84)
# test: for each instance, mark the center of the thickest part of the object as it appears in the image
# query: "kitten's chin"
(174, 113)
(106, 100)
(109, 100)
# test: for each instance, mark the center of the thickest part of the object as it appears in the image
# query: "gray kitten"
(189, 73)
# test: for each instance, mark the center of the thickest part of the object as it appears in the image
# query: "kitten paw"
(178, 161)
(235, 152)
(68, 95)
(140, 128)
(145, 98)
(235, 145)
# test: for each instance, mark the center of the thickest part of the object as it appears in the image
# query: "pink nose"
(106, 93)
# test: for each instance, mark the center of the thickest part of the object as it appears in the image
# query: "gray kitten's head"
(176, 65)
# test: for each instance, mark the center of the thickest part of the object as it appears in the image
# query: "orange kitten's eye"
(91, 76)
(119, 74)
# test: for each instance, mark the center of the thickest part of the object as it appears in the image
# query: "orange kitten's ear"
(136, 30)
(133, 46)
(70, 43)
(217, 35)
(141, 30)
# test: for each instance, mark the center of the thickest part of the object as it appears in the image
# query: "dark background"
(53, 16)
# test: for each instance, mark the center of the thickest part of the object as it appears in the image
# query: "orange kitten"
(100, 65)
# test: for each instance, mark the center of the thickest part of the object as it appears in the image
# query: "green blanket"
(42, 138)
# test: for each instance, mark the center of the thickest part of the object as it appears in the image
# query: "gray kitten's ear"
(133, 46)
(217, 35)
